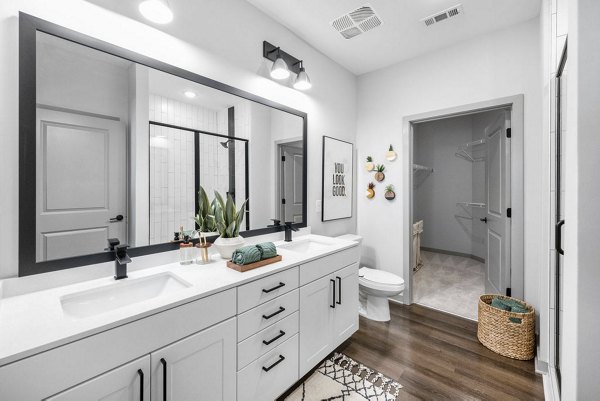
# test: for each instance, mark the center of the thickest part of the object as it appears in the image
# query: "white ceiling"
(173, 87)
(402, 36)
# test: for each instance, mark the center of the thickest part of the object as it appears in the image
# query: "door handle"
(141, 375)
(281, 358)
(277, 337)
(333, 294)
(274, 288)
(116, 219)
(484, 220)
(164, 365)
(267, 317)
(339, 301)
(558, 237)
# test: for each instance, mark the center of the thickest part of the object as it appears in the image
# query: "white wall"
(64, 70)
(581, 329)
(234, 56)
(502, 63)
(447, 226)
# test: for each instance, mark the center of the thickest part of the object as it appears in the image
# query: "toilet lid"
(379, 276)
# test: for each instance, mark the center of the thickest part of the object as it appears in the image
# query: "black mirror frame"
(28, 26)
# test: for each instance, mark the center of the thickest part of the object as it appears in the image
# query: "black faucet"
(288, 231)
(121, 257)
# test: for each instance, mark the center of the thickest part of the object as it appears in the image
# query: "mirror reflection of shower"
(226, 143)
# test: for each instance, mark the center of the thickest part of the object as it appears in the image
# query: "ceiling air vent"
(354, 23)
(443, 15)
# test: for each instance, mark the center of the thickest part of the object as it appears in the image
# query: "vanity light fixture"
(302, 81)
(284, 64)
(157, 11)
(280, 69)
(190, 94)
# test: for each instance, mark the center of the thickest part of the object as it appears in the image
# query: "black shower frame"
(197, 183)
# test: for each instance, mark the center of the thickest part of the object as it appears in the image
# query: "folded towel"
(267, 250)
(498, 304)
(510, 305)
(246, 255)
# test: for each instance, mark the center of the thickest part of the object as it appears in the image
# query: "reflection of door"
(81, 184)
(291, 183)
(497, 273)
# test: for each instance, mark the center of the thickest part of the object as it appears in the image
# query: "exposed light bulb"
(156, 11)
(302, 80)
(190, 94)
(280, 69)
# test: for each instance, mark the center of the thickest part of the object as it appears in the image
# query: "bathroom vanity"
(177, 332)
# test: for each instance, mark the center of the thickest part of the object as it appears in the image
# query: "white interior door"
(497, 272)
(291, 182)
(81, 184)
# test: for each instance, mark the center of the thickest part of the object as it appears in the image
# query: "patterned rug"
(342, 378)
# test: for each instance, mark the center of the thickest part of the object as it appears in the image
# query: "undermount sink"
(120, 294)
(305, 245)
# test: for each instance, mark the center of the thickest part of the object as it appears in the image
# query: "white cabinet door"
(199, 367)
(316, 318)
(345, 319)
(130, 382)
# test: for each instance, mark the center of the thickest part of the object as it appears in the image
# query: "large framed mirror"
(114, 144)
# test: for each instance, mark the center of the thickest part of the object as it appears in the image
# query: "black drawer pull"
(141, 375)
(274, 288)
(164, 365)
(333, 294)
(267, 317)
(339, 301)
(281, 358)
(277, 337)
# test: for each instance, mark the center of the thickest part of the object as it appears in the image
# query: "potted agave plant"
(228, 221)
(205, 218)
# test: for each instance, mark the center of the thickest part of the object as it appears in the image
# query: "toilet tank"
(351, 237)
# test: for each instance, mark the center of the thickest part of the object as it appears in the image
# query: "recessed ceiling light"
(190, 94)
(157, 11)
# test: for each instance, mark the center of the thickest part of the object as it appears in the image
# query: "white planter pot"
(226, 246)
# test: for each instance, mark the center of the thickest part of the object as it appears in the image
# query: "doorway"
(290, 173)
(464, 205)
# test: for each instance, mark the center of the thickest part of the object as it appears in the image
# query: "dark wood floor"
(437, 356)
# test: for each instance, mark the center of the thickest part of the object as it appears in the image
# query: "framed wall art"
(337, 179)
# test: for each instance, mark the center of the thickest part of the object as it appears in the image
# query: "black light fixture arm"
(272, 52)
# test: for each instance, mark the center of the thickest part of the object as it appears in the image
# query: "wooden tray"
(260, 263)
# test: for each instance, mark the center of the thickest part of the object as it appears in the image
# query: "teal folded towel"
(498, 304)
(267, 250)
(246, 255)
(510, 305)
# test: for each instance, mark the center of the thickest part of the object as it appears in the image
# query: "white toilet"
(375, 287)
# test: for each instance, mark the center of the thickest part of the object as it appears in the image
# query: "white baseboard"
(541, 367)
(551, 392)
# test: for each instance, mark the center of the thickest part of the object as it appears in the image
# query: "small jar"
(186, 253)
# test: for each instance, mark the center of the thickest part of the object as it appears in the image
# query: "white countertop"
(35, 322)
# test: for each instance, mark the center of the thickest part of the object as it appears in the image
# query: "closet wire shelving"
(420, 174)
(465, 150)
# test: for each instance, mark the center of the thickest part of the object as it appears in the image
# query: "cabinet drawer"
(267, 288)
(265, 378)
(264, 315)
(267, 339)
(328, 264)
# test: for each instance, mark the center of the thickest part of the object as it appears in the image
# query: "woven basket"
(498, 333)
